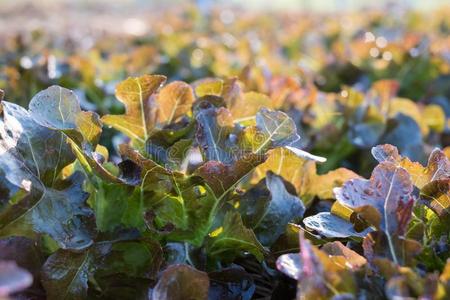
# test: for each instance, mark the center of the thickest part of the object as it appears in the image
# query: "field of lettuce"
(228, 154)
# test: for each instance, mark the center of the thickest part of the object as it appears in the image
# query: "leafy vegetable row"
(211, 189)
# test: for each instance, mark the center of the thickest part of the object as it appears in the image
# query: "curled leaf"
(330, 225)
(437, 196)
(438, 166)
(318, 274)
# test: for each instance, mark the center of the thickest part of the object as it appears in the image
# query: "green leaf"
(61, 213)
(232, 239)
(59, 109)
(134, 258)
(42, 152)
(109, 204)
(190, 208)
(278, 129)
(45, 204)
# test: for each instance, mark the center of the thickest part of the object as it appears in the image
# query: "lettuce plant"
(208, 194)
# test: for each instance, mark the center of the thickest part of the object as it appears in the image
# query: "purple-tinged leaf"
(438, 166)
(180, 282)
(13, 278)
(221, 177)
(389, 190)
(25, 253)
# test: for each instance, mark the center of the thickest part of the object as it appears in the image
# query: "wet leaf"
(70, 274)
(65, 274)
(290, 264)
(389, 191)
(42, 151)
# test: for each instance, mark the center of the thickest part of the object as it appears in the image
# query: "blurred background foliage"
(352, 74)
